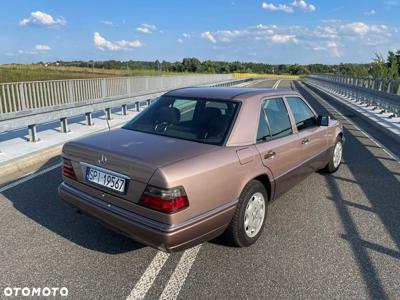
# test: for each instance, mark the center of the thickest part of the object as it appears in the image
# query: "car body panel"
(285, 163)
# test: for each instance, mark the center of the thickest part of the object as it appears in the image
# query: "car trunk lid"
(130, 153)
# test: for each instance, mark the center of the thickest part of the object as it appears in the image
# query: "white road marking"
(388, 152)
(29, 177)
(258, 81)
(275, 86)
(177, 279)
(146, 281)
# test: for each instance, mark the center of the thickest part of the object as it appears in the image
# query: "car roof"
(228, 93)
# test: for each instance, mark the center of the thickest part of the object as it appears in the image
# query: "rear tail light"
(68, 170)
(165, 200)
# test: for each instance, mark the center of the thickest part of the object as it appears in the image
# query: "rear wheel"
(336, 157)
(249, 219)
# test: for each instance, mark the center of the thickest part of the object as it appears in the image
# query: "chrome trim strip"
(134, 217)
(86, 165)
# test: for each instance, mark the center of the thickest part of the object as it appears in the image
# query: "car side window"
(263, 132)
(302, 113)
(223, 107)
(277, 117)
(186, 108)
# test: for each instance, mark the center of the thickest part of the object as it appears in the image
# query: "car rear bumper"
(159, 235)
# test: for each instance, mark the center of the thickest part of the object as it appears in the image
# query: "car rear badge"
(102, 160)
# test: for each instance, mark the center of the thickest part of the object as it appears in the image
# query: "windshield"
(200, 120)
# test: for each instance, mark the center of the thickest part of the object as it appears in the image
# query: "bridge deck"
(332, 236)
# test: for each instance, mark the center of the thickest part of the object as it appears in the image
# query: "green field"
(16, 72)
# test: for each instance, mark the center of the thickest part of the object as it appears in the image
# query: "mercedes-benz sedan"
(198, 163)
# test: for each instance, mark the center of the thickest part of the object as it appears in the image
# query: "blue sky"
(269, 31)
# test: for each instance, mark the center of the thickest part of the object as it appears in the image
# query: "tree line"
(380, 66)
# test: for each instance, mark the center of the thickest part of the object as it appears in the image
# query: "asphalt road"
(331, 236)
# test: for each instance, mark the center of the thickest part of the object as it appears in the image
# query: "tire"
(335, 162)
(250, 202)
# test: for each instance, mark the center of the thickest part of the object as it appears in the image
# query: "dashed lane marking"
(146, 281)
(178, 278)
(275, 86)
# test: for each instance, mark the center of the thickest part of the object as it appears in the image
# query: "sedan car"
(198, 163)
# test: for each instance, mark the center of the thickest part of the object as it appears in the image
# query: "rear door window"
(277, 117)
(263, 133)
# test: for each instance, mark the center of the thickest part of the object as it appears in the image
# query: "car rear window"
(200, 120)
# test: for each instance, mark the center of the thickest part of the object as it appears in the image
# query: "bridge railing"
(37, 95)
(363, 90)
(377, 84)
(26, 104)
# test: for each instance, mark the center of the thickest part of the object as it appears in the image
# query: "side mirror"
(323, 120)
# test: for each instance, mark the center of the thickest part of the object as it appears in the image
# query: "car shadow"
(38, 200)
(380, 186)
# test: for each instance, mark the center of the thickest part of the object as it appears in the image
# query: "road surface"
(332, 236)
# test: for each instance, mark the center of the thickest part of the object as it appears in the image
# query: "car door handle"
(305, 141)
(269, 155)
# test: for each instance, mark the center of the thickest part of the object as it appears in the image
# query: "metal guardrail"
(26, 104)
(377, 84)
(386, 101)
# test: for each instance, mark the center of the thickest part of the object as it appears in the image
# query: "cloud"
(21, 52)
(39, 18)
(283, 38)
(333, 48)
(146, 28)
(207, 35)
(290, 8)
(108, 23)
(325, 32)
(330, 47)
(391, 3)
(360, 28)
(331, 38)
(370, 12)
(103, 44)
(302, 5)
(228, 35)
(280, 7)
(41, 47)
(184, 37)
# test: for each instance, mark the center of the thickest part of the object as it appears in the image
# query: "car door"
(279, 147)
(312, 136)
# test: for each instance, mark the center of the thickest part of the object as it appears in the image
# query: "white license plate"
(105, 179)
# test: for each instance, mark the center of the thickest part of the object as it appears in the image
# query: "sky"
(267, 31)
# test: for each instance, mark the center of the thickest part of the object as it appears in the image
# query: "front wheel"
(249, 219)
(336, 157)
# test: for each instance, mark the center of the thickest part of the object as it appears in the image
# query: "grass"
(17, 72)
(37, 72)
(272, 76)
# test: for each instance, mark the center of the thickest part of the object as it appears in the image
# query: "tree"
(393, 64)
(379, 68)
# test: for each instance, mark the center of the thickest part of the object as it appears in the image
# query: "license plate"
(105, 179)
